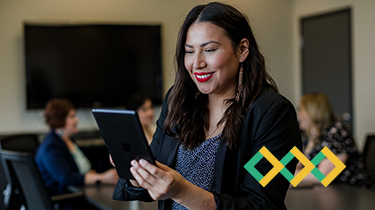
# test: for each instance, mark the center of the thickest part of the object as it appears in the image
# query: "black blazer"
(271, 122)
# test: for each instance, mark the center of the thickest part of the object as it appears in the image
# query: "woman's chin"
(204, 90)
(75, 131)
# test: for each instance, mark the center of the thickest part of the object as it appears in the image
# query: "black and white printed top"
(198, 165)
(339, 140)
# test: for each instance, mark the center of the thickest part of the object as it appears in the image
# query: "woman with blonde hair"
(321, 128)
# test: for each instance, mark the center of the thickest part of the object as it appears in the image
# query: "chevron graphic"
(280, 166)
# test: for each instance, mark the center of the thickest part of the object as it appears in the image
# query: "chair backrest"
(25, 174)
(20, 142)
(369, 154)
(3, 184)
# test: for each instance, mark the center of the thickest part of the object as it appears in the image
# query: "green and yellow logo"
(279, 166)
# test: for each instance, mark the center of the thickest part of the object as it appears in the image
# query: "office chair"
(20, 143)
(28, 180)
(369, 154)
(3, 184)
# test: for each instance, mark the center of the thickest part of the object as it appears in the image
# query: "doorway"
(327, 60)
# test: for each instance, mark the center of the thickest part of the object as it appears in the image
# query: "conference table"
(333, 197)
(101, 197)
(318, 197)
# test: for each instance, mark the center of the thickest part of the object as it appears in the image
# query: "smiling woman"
(223, 108)
(211, 60)
(59, 159)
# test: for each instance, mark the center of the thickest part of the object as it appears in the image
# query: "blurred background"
(278, 26)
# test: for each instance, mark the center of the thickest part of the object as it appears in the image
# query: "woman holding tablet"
(223, 108)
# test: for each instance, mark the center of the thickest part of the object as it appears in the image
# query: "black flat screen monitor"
(92, 65)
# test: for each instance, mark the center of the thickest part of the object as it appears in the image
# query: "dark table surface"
(333, 197)
(101, 197)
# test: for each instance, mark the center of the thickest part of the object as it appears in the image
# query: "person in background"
(144, 107)
(321, 128)
(222, 109)
(58, 157)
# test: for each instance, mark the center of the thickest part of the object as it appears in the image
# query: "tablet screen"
(124, 137)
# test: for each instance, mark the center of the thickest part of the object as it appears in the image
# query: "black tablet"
(124, 137)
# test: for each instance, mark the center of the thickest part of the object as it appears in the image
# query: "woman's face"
(146, 113)
(303, 119)
(210, 59)
(71, 123)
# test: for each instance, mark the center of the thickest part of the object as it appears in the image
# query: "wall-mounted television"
(93, 65)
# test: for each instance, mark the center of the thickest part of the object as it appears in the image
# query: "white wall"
(363, 33)
(271, 21)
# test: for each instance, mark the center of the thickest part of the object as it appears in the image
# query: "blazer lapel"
(172, 152)
(219, 164)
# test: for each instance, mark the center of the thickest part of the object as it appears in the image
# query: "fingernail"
(142, 162)
(133, 162)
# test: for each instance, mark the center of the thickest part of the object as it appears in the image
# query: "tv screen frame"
(93, 65)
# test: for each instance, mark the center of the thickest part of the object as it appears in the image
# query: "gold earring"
(239, 89)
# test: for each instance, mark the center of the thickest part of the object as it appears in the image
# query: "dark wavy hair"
(56, 112)
(188, 112)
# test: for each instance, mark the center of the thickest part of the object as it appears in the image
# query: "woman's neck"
(217, 106)
(66, 139)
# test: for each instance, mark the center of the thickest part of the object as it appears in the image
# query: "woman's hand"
(299, 166)
(109, 177)
(161, 182)
(133, 182)
(91, 177)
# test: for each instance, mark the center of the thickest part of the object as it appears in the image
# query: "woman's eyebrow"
(202, 45)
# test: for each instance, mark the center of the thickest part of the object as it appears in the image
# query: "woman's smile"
(203, 76)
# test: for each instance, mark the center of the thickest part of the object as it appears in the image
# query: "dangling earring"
(239, 89)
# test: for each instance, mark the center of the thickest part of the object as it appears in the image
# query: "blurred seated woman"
(59, 159)
(321, 128)
(144, 107)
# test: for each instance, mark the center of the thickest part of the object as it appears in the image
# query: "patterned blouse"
(198, 165)
(338, 139)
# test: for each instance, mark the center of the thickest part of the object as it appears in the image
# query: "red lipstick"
(203, 76)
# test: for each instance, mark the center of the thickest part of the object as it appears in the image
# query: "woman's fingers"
(150, 177)
(140, 175)
(111, 160)
(154, 170)
(161, 181)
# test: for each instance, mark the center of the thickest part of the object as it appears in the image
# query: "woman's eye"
(210, 50)
(188, 51)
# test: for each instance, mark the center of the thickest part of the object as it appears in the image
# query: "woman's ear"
(243, 49)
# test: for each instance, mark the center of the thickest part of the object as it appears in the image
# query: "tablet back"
(124, 137)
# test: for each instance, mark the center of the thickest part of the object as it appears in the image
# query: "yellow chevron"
(305, 171)
(336, 171)
(277, 166)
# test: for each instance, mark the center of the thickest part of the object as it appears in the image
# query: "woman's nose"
(199, 61)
